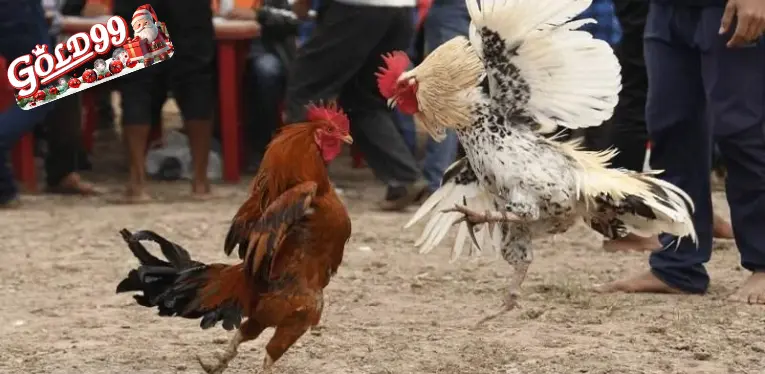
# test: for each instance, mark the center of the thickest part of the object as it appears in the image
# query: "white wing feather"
(574, 80)
(437, 227)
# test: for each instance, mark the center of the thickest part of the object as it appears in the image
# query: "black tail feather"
(177, 255)
(173, 287)
(139, 251)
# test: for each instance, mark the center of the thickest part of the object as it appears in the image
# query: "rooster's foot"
(220, 365)
(471, 216)
(268, 364)
(509, 303)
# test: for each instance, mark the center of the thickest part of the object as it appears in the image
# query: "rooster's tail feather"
(184, 287)
(643, 205)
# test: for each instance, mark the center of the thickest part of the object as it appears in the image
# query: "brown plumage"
(290, 234)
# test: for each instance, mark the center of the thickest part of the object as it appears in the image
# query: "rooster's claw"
(213, 369)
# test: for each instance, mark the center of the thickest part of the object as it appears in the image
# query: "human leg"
(734, 83)
(628, 129)
(445, 20)
(267, 73)
(674, 115)
(191, 79)
(330, 58)
(372, 123)
(339, 61)
(136, 98)
(22, 26)
(64, 138)
(745, 190)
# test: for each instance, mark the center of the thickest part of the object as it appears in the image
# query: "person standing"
(707, 54)
(188, 74)
(339, 61)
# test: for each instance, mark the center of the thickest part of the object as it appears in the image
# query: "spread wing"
(541, 70)
(265, 234)
(459, 184)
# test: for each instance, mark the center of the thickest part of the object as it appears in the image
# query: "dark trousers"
(339, 61)
(189, 73)
(22, 26)
(628, 129)
(690, 70)
(63, 134)
(266, 81)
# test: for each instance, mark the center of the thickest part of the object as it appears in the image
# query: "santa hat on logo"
(144, 11)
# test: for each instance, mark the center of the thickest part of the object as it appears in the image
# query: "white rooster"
(541, 73)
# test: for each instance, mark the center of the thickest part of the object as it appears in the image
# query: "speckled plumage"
(540, 74)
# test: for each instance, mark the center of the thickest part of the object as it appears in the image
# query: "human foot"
(399, 197)
(632, 242)
(752, 291)
(132, 195)
(200, 190)
(73, 184)
(643, 283)
(10, 203)
(721, 228)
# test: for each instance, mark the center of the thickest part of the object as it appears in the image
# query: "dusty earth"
(389, 310)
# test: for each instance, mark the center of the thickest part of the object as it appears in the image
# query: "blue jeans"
(690, 68)
(22, 26)
(267, 83)
(446, 20)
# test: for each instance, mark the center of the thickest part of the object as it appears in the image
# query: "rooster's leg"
(516, 250)
(248, 331)
(476, 218)
(284, 337)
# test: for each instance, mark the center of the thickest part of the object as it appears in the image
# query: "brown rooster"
(290, 235)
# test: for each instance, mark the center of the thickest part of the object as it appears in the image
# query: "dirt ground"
(389, 310)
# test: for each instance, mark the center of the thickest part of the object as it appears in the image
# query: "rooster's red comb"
(329, 112)
(395, 64)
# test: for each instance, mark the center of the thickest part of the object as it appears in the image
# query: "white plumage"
(574, 79)
(541, 73)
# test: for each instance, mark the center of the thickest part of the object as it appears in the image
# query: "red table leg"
(242, 49)
(24, 162)
(229, 108)
(89, 118)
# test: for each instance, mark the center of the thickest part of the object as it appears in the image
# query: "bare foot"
(632, 242)
(73, 184)
(132, 196)
(201, 190)
(643, 283)
(721, 229)
(752, 291)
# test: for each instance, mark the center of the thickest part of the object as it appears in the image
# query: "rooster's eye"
(330, 130)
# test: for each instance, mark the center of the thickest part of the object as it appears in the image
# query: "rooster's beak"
(392, 102)
(347, 139)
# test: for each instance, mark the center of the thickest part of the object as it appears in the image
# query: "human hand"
(247, 14)
(750, 21)
(94, 9)
(301, 8)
